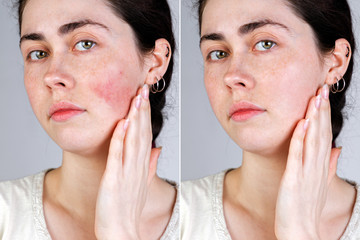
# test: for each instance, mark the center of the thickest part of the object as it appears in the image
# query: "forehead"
(223, 14)
(42, 14)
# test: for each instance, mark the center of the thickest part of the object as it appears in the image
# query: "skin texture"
(266, 194)
(84, 197)
(108, 79)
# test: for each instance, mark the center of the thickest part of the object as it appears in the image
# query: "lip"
(243, 111)
(63, 111)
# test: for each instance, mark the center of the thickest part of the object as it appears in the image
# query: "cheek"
(115, 90)
(213, 88)
(294, 81)
(33, 89)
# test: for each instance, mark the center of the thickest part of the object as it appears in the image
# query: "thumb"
(334, 157)
(154, 157)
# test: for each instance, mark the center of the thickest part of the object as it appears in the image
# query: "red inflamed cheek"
(114, 92)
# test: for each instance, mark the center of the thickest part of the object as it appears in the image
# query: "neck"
(74, 185)
(256, 183)
(74, 188)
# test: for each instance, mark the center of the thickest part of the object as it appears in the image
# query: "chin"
(264, 143)
(88, 144)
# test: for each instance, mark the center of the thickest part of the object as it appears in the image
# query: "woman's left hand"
(131, 166)
(311, 166)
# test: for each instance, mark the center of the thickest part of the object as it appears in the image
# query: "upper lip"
(63, 106)
(242, 106)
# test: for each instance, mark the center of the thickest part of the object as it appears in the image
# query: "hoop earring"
(339, 87)
(159, 87)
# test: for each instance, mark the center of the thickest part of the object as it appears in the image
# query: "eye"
(37, 55)
(264, 45)
(84, 45)
(217, 55)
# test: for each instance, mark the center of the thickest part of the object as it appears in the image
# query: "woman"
(272, 71)
(88, 66)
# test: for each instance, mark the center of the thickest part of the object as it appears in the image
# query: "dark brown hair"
(150, 20)
(330, 20)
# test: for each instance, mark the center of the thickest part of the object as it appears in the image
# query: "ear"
(339, 61)
(158, 60)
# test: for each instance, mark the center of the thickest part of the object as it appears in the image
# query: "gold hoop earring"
(157, 87)
(339, 87)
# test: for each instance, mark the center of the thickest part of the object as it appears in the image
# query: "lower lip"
(244, 115)
(64, 115)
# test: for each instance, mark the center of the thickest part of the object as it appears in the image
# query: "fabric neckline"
(218, 206)
(37, 206)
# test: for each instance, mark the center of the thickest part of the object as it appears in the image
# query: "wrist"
(301, 235)
(118, 234)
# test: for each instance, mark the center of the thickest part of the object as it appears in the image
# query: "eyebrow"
(250, 27)
(244, 29)
(63, 30)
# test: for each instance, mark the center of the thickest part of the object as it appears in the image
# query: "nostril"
(62, 84)
(242, 84)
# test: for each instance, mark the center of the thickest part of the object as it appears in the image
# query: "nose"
(238, 76)
(57, 77)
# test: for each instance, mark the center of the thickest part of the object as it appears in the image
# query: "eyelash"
(29, 57)
(273, 44)
(225, 54)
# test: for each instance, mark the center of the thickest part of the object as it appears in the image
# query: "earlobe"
(160, 58)
(340, 59)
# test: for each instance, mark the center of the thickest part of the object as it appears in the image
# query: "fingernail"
(325, 91)
(138, 102)
(340, 148)
(126, 124)
(145, 91)
(318, 101)
(306, 124)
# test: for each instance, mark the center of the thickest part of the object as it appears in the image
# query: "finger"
(138, 141)
(131, 141)
(295, 157)
(154, 157)
(114, 161)
(334, 157)
(146, 128)
(325, 128)
(312, 138)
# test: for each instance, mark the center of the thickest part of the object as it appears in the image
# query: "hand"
(131, 166)
(311, 165)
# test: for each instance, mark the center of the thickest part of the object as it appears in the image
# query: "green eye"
(37, 55)
(264, 45)
(217, 55)
(84, 45)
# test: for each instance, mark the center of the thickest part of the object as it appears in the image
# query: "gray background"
(25, 148)
(206, 148)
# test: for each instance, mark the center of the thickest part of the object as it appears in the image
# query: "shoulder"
(352, 231)
(172, 229)
(14, 190)
(16, 203)
(201, 207)
(201, 188)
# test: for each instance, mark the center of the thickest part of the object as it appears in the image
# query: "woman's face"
(261, 68)
(82, 67)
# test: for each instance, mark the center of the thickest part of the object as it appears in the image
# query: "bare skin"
(286, 188)
(107, 185)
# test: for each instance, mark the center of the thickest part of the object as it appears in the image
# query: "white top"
(202, 215)
(22, 214)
